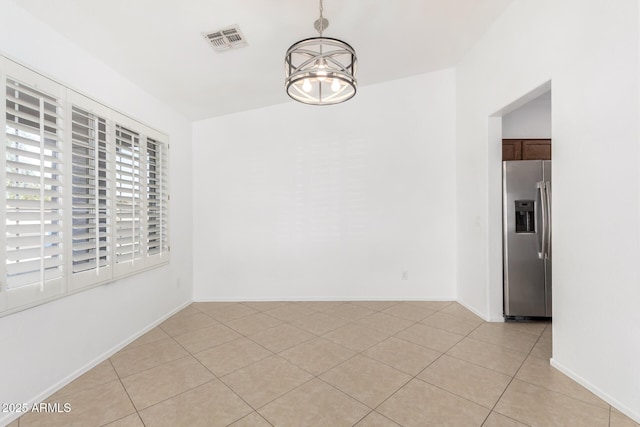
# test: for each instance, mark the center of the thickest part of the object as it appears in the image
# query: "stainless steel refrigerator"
(526, 220)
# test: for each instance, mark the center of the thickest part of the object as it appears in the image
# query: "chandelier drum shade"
(321, 70)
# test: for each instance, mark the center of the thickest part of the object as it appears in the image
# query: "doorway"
(527, 119)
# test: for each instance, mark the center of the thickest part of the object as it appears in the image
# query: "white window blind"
(128, 198)
(157, 199)
(33, 191)
(90, 184)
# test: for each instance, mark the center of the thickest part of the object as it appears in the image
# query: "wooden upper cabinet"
(511, 149)
(536, 149)
(526, 149)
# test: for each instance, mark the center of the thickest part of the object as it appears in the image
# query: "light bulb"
(306, 85)
(335, 85)
(321, 74)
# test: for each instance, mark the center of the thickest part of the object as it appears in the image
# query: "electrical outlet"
(405, 275)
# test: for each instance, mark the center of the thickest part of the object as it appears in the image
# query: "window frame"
(33, 294)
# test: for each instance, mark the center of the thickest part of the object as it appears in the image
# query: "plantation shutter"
(91, 258)
(33, 217)
(84, 197)
(128, 200)
(157, 201)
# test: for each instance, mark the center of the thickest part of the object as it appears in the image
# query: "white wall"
(531, 121)
(303, 202)
(45, 346)
(589, 51)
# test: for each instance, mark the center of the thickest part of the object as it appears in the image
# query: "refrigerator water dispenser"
(525, 218)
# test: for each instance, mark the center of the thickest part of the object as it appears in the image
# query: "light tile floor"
(375, 363)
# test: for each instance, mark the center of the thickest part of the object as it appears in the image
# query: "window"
(85, 191)
(90, 183)
(128, 199)
(157, 203)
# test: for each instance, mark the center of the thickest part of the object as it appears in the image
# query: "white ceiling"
(158, 44)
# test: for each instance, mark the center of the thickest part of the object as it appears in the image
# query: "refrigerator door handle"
(543, 214)
(547, 188)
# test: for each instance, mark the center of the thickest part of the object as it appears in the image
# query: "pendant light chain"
(321, 18)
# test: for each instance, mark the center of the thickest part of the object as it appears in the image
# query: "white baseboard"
(92, 364)
(595, 390)
(477, 313)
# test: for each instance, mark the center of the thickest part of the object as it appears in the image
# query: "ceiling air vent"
(225, 39)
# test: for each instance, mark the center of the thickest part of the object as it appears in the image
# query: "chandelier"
(320, 70)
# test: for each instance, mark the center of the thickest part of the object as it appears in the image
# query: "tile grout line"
(362, 352)
(249, 414)
(476, 364)
(189, 354)
(215, 378)
(445, 353)
(561, 393)
(394, 335)
(493, 344)
(609, 415)
(415, 377)
(127, 392)
(206, 313)
(548, 389)
(345, 361)
(511, 381)
(508, 348)
(349, 321)
(152, 367)
(374, 311)
(312, 311)
(384, 416)
(317, 377)
(288, 322)
(282, 395)
(313, 376)
(453, 393)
